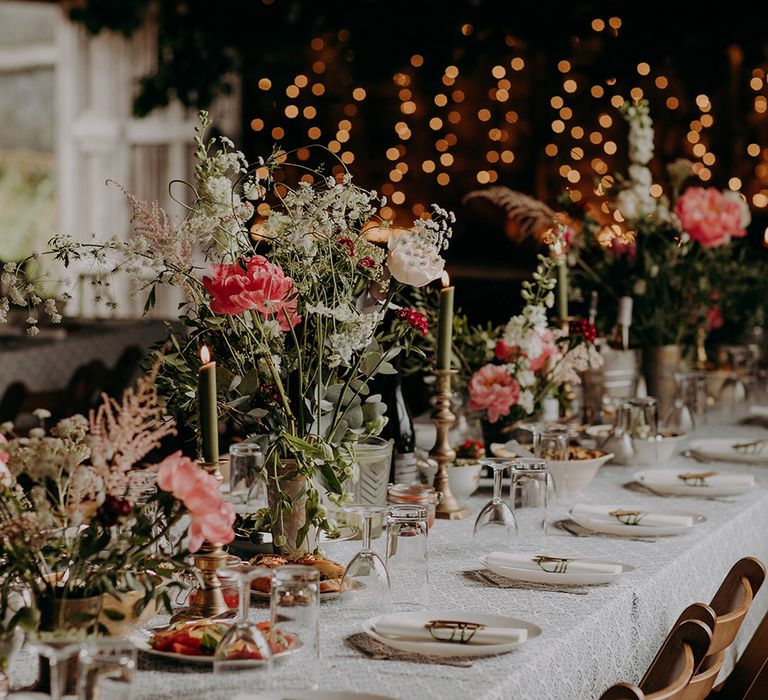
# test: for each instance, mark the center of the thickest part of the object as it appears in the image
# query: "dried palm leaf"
(531, 218)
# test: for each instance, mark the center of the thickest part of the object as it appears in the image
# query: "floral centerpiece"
(83, 520)
(533, 360)
(673, 253)
(292, 304)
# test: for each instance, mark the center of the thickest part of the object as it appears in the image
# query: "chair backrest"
(680, 655)
(677, 659)
(733, 600)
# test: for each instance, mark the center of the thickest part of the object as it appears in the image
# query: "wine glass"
(365, 585)
(244, 647)
(495, 523)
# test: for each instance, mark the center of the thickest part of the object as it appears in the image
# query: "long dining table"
(587, 642)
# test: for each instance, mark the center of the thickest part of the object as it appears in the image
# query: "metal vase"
(659, 366)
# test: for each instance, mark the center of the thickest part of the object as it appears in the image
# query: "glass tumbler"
(106, 670)
(373, 458)
(640, 418)
(552, 446)
(528, 500)
(408, 557)
(247, 490)
(295, 613)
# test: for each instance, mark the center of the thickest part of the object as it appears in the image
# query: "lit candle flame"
(765, 237)
(446, 280)
(205, 355)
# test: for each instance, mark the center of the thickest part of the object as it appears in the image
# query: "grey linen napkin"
(376, 650)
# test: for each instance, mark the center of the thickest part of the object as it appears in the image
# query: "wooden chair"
(728, 609)
(749, 678)
(672, 668)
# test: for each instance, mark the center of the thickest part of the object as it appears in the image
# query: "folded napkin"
(416, 631)
(757, 410)
(702, 479)
(570, 566)
(646, 518)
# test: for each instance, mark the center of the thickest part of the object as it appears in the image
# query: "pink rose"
(492, 389)
(4, 456)
(255, 284)
(211, 517)
(548, 349)
(709, 216)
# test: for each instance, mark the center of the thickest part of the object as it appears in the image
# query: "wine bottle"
(399, 429)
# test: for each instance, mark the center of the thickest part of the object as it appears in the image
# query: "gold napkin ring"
(452, 631)
(628, 517)
(696, 478)
(560, 564)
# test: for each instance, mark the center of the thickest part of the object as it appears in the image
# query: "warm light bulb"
(205, 355)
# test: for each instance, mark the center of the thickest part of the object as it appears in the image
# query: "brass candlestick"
(209, 598)
(449, 508)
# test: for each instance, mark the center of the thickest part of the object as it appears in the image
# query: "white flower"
(549, 300)
(413, 261)
(531, 345)
(536, 315)
(526, 400)
(639, 288)
(41, 413)
(745, 216)
(524, 377)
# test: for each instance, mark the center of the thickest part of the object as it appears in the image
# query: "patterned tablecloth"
(44, 363)
(588, 642)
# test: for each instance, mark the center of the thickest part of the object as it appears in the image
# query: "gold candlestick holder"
(443, 417)
(209, 598)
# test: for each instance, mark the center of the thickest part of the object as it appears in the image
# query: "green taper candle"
(445, 324)
(562, 287)
(209, 414)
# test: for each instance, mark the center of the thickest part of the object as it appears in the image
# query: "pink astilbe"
(169, 243)
(210, 516)
(122, 434)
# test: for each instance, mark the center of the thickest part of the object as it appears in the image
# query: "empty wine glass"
(244, 647)
(365, 586)
(495, 523)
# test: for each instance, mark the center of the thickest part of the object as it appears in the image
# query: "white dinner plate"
(453, 649)
(311, 695)
(622, 530)
(721, 449)
(660, 481)
(566, 579)
(141, 639)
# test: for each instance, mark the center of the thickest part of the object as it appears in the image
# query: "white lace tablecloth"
(587, 642)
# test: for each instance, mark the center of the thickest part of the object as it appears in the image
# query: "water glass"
(690, 405)
(528, 500)
(640, 418)
(373, 459)
(295, 612)
(408, 557)
(247, 488)
(552, 446)
(107, 668)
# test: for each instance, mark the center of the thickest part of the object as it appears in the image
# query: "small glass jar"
(415, 495)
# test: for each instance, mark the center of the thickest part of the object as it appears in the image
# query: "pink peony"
(548, 349)
(211, 517)
(492, 389)
(709, 216)
(3, 455)
(714, 319)
(255, 284)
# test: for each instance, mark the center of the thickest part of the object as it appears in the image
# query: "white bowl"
(578, 472)
(656, 451)
(464, 479)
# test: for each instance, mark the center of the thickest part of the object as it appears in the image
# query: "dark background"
(703, 69)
